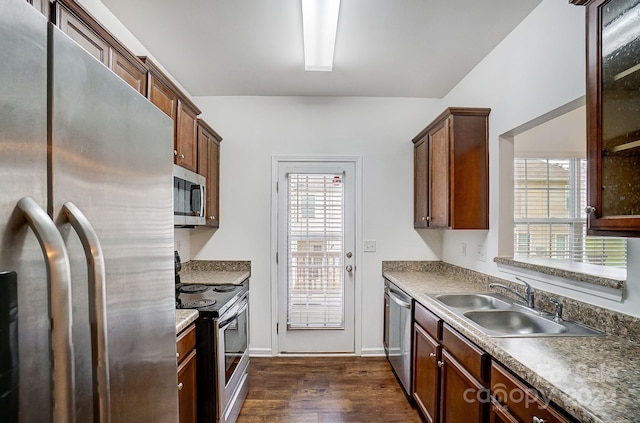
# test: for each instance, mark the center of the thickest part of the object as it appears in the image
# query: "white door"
(316, 256)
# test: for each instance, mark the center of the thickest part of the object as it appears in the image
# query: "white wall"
(256, 128)
(538, 68)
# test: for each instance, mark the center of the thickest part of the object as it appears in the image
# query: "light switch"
(369, 246)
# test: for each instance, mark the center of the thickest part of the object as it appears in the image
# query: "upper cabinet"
(80, 26)
(613, 116)
(209, 167)
(167, 97)
(451, 171)
(42, 6)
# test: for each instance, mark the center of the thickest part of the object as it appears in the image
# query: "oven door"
(233, 360)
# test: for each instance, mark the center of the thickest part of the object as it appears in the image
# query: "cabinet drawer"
(521, 400)
(186, 342)
(467, 354)
(429, 321)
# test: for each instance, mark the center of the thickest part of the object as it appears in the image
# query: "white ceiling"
(384, 48)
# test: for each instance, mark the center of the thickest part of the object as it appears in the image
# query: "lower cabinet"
(456, 381)
(187, 399)
(463, 381)
(513, 400)
(450, 373)
(426, 356)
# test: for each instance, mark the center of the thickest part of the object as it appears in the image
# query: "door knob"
(349, 268)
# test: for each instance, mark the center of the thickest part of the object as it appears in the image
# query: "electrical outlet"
(370, 246)
(481, 253)
(463, 250)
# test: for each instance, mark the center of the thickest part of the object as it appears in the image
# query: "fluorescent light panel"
(319, 27)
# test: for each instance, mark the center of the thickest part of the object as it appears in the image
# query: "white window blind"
(315, 233)
(549, 217)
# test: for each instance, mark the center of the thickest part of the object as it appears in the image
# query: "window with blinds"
(315, 233)
(549, 217)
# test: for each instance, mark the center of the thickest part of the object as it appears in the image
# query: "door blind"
(315, 233)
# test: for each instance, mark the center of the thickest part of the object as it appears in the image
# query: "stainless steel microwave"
(188, 198)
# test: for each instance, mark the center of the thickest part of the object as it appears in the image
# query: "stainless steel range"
(222, 333)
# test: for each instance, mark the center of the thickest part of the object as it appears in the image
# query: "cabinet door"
(132, 74)
(79, 32)
(463, 398)
(187, 401)
(522, 402)
(43, 6)
(420, 184)
(613, 127)
(426, 373)
(439, 177)
(162, 97)
(209, 167)
(186, 137)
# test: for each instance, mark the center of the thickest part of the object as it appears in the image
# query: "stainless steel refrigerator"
(86, 236)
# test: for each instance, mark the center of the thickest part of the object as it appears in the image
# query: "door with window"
(316, 256)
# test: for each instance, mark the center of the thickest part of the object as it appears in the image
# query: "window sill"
(600, 281)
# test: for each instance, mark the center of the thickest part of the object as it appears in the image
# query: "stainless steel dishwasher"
(397, 332)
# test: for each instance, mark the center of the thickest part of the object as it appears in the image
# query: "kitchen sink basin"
(497, 315)
(514, 322)
(473, 301)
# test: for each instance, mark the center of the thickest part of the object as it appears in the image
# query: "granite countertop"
(215, 272)
(184, 317)
(595, 379)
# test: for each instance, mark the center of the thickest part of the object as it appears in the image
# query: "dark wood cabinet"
(426, 356)
(162, 92)
(187, 135)
(613, 127)
(80, 32)
(513, 400)
(451, 171)
(131, 70)
(42, 6)
(463, 393)
(456, 381)
(450, 373)
(209, 167)
(81, 27)
(186, 354)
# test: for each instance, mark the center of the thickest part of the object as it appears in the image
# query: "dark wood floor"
(325, 390)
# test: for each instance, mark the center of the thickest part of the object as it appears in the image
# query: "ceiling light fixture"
(319, 27)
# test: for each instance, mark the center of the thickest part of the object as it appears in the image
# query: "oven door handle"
(234, 314)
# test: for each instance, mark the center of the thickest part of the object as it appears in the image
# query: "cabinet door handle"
(182, 156)
(180, 386)
(175, 152)
(432, 355)
(589, 209)
(177, 355)
(440, 363)
(538, 420)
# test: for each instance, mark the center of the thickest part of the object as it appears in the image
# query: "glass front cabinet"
(613, 116)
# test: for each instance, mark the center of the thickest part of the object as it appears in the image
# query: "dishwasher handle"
(399, 300)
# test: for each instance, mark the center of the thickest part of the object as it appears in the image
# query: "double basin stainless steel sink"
(498, 316)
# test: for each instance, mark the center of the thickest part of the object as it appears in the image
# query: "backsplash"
(605, 320)
(217, 265)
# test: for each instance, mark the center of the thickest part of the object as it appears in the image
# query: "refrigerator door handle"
(59, 280)
(97, 309)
